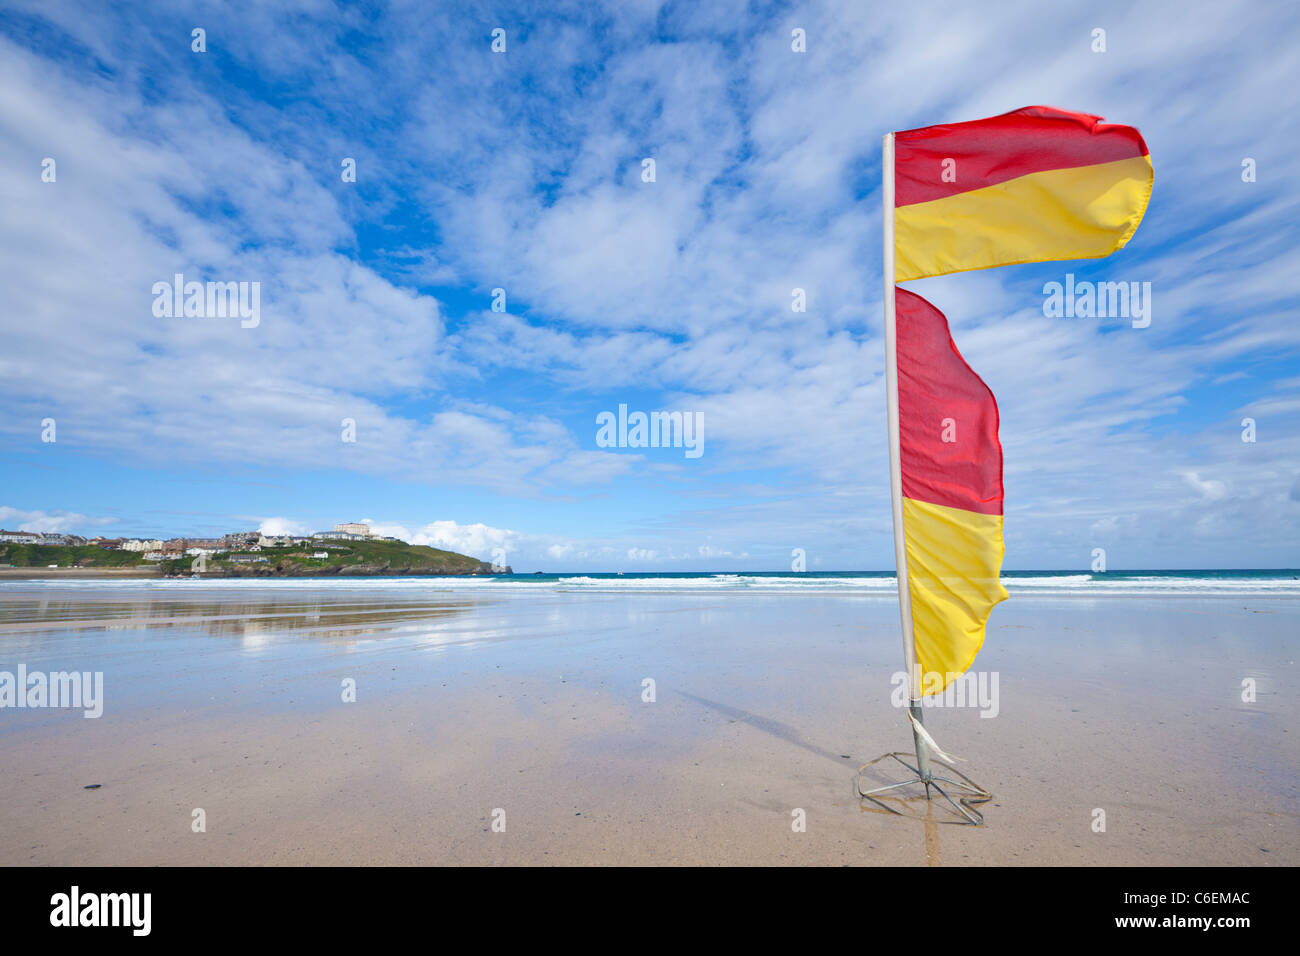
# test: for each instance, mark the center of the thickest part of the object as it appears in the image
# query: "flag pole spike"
(969, 793)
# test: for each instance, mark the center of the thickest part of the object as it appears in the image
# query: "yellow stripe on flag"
(1084, 212)
(953, 560)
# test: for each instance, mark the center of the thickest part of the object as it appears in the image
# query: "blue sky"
(521, 170)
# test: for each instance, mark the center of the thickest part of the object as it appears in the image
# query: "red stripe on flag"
(939, 398)
(990, 151)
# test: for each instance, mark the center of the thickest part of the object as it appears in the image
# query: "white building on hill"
(20, 537)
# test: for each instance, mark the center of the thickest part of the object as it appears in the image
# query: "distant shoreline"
(80, 572)
(370, 557)
(146, 573)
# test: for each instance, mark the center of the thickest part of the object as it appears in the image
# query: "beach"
(496, 722)
(67, 574)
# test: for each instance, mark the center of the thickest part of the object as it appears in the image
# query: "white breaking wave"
(728, 582)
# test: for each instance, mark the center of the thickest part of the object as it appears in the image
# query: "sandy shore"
(533, 705)
(30, 574)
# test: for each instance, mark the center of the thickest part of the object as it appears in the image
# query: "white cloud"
(60, 522)
(477, 539)
(1210, 489)
(284, 526)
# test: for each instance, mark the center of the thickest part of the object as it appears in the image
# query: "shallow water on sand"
(533, 702)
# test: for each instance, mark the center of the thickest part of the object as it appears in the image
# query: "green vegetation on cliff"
(80, 556)
(345, 558)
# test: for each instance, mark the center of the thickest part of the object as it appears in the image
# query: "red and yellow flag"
(1032, 185)
(1028, 186)
(952, 493)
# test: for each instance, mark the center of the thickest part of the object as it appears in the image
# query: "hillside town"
(247, 543)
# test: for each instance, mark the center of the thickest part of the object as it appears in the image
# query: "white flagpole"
(895, 462)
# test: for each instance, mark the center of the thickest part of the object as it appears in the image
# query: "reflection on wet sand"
(251, 616)
(913, 806)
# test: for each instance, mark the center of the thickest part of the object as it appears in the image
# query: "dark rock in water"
(92, 786)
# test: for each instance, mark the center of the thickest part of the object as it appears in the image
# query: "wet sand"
(532, 704)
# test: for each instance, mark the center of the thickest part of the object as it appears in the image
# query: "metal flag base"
(969, 793)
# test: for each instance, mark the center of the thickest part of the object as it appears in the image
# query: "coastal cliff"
(350, 559)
